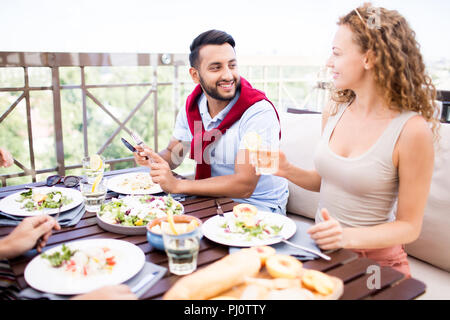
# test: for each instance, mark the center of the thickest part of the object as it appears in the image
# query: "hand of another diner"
(328, 234)
(162, 174)
(26, 235)
(117, 292)
(6, 159)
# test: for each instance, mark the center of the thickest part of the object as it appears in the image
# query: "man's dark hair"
(208, 37)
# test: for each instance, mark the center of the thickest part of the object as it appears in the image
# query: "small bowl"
(156, 240)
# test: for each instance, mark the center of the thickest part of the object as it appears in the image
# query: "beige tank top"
(360, 191)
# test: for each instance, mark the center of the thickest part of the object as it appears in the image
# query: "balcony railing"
(162, 86)
(273, 78)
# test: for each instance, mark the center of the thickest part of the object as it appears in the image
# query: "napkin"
(158, 271)
(301, 238)
(66, 219)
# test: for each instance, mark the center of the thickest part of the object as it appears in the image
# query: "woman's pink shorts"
(394, 257)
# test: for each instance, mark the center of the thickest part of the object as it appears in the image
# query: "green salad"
(136, 211)
(249, 227)
(57, 258)
(33, 200)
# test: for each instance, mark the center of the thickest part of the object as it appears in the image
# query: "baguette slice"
(217, 277)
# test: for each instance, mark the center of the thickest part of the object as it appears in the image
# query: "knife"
(128, 145)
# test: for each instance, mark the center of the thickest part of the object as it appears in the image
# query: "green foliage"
(119, 101)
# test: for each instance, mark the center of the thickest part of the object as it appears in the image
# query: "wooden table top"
(344, 264)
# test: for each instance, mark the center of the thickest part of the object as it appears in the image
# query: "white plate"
(10, 206)
(115, 184)
(212, 230)
(40, 275)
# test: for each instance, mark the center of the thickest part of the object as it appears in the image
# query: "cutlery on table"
(143, 282)
(320, 254)
(219, 208)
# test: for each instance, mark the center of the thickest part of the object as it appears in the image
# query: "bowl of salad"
(131, 214)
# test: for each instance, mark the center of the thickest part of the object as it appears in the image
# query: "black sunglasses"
(68, 181)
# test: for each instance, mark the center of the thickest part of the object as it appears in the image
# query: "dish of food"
(43, 200)
(257, 273)
(81, 266)
(248, 227)
(130, 214)
(134, 183)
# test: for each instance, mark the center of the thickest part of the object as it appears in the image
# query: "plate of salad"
(42, 200)
(244, 230)
(130, 214)
(82, 266)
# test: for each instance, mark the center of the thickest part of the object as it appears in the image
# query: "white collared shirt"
(271, 192)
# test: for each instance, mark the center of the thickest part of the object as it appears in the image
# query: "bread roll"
(217, 277)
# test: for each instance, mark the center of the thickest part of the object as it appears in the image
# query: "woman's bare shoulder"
(416, 135)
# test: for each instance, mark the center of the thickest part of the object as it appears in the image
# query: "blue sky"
(281, 27)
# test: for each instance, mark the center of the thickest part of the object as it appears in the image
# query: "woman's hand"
(328, 234)
(283, 165)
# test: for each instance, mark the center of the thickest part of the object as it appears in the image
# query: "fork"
(137, 139)
(219, 208)
(56, 218)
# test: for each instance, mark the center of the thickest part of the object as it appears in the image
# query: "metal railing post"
(57, 120)
(29, 125)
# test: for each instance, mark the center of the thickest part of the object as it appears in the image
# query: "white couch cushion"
(300, 133)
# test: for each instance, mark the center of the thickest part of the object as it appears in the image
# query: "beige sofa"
(429, 256)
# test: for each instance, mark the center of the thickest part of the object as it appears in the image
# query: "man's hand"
(141, 157)
(26, 235)
(328, 234)
(6, 159)
(117, 292)
(161, 172)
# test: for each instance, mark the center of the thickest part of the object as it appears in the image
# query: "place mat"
(301, 238)
(158, 271)
(66, 219)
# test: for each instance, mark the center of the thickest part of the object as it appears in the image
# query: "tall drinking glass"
(93, 195)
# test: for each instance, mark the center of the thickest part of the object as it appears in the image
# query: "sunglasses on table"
(68, 181)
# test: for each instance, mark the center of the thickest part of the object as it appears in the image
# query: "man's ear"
(194, 75)
(369, 60)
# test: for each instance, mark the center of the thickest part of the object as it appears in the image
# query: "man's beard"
(214, 93)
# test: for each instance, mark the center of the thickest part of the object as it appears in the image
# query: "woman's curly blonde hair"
(398, 67)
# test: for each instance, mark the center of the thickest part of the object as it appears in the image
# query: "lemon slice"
(252, 140)
(192, 226)
(38, 197)
(96, 162)
(171, 222)
(96, 182)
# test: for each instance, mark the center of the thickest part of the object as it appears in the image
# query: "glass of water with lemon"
(93, 193)
(93, 166)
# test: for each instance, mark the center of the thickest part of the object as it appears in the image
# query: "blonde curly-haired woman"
(374, 163)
